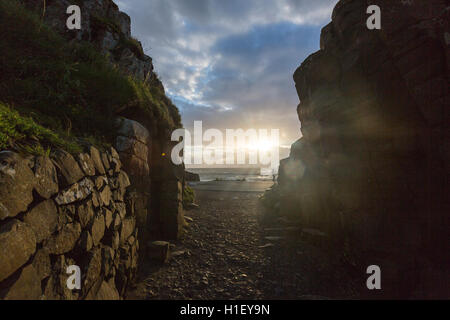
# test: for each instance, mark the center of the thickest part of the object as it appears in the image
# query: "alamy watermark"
(235, 147)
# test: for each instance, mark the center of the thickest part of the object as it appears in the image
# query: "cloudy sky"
(229, 63)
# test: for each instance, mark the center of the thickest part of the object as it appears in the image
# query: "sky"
(230, 63)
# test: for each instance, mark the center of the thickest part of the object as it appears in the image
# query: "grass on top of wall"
(70, 89)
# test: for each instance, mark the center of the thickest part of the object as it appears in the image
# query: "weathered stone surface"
(132, 129)
(86, 164)
(86, 242)
(107, 292)
(172, 219)
(16, 184)
(65, 240)
(106, 196)
(76, 192)
(98, 229)
(105, 161)
(123, 179)
(132, 146)
(116, 222)
(46, 177)
(128, 226)
(114, 154)
(41, 263)
(96, 158)
(26, 287)
(108, 255)
(159, 251)
(100, 182)
(116, 165)
(43, 219)
(134, 166)
(17, 244)
(85, 213)
(67, 167)
(60, 277)
(108, 217)
(91, 272)
(121, 209)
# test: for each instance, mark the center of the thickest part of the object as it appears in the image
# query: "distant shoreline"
(232, 186)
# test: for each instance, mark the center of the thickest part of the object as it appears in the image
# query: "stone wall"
(371, 168)
(61, 211)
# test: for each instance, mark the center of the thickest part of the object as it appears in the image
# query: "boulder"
(16, 184)
(46, 177)
(65, 240)
(43, 219)
(69, 172)
(17, 244)
(159, 251)
(133, 129)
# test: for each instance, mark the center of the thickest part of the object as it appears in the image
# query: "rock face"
(17, 181)
(371, 167)
(103, 24)
(72, 226)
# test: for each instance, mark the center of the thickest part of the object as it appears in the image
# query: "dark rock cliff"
(371, 169)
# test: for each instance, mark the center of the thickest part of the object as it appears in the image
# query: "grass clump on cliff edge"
(69, 88)
(16, 130)
(188, 196)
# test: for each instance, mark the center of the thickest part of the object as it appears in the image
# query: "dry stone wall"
(61, 211)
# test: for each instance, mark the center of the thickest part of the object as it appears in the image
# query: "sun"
(264, 145)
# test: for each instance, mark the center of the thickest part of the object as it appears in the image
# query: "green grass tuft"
(22, 133)
(188, 195)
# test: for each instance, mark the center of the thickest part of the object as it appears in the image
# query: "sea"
(233, 174)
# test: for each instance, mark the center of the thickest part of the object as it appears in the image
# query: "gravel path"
(226, 255)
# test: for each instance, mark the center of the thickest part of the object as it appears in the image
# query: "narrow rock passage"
(226, 255)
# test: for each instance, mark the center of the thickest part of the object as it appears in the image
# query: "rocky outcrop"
(73, 212)
(190, 176)
(104, 25)
(370, 170)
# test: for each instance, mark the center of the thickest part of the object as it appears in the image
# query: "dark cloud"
(230, 63)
